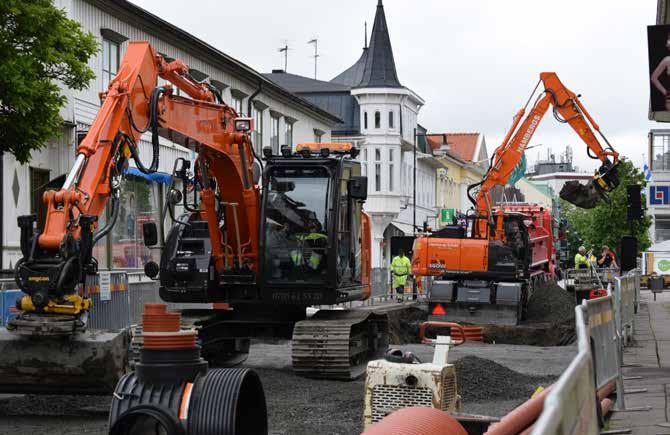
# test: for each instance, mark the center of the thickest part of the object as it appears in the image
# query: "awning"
(156, 177)
(406, 229)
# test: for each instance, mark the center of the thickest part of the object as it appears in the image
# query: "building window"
(237, 105)
(274, 136)
(257, 136)
(317, 136)
(378, 120)
(110, 61)
(391, 119)
(660, 152)
(365, 120)
(391, 170)
(288, 133)
(378, 169)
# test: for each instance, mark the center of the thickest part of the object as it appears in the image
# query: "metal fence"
(570, 407)
(116, 304)
(605, 343)
(626, 290)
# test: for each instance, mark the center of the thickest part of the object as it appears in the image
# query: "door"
(39, 179)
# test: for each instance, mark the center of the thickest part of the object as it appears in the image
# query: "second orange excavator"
(484, 266)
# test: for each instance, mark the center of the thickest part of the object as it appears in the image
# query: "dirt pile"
(482, 380)
(549, 303)
(404, 325)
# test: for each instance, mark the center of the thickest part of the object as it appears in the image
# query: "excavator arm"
(57, 259)
(567, 109)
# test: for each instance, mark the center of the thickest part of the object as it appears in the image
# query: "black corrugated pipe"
(220, 402)
(172, 392)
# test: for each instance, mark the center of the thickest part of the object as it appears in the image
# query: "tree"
(39, 47)
(606, 223)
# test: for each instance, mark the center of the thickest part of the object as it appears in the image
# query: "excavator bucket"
(583, 195)
(91, 362)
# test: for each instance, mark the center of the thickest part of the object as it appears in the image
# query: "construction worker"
(607, 258)
(581, 260)
(310, 242)
(400, 267)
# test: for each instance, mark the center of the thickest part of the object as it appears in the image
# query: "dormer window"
(378, 120)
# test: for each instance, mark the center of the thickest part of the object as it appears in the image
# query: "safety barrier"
(572, 405)
(626, 290)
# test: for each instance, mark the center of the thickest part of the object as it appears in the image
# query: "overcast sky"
(474, 62)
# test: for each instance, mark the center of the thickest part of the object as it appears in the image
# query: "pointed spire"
(380, 68)
(365, 40)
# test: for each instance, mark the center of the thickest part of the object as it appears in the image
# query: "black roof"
(300, 84)
(353, 75)
(379, 68)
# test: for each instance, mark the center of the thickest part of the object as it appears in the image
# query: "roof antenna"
(365, 41)
(284, 50)
(315, 41)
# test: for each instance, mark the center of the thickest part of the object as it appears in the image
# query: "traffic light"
(635, 210)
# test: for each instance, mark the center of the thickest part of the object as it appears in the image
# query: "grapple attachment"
(595, 191)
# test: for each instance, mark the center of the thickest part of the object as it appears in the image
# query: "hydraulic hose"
(109, 225)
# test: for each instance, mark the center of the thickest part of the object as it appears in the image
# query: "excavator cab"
(311, 222)
(311, 244)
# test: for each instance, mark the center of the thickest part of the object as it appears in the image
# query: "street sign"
(447, 215)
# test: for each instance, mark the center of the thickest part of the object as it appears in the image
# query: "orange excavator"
(263, 255)
(484, 265)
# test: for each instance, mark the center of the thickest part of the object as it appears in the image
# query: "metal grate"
(388, 398)
(449, 396)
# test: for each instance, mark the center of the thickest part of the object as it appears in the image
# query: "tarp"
(518, 172)
(156, 177)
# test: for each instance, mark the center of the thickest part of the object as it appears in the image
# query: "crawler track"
(337, 344)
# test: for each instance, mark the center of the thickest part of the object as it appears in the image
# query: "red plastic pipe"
(417, 421)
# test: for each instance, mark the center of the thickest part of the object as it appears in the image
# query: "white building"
(281, 118)
(380, 116)
(658, 188)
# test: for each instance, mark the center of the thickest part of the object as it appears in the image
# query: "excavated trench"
(549, 321)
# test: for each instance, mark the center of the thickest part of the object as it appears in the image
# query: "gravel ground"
(307, 406)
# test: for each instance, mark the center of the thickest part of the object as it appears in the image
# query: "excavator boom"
(566, 109)
(57, 260)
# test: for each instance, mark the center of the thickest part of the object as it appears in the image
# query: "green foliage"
(606, 223)
(39, 47)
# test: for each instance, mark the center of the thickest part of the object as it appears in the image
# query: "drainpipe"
(2, 214)
(249, 101)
